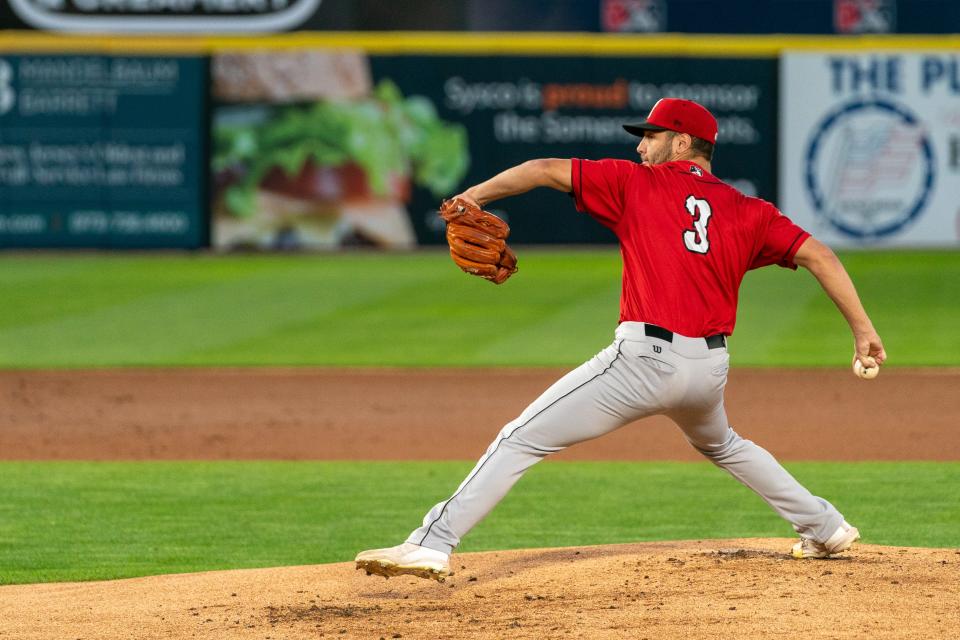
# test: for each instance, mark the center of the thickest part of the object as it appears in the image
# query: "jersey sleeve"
(600, 186)
(780, 241)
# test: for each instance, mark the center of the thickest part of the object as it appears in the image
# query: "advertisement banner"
(870, 147)
(102, 151)
(516, 108)
(327, 149)
(158, 16)
(643, 16)
(309, 152)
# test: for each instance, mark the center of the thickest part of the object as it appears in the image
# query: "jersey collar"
(692, 168)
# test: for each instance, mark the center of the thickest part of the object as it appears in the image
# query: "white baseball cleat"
(841, 540)
(405, 559)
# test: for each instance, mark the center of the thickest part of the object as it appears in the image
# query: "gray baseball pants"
(635, 377)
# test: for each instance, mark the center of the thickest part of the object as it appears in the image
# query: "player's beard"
(657, 157)
(661, 154)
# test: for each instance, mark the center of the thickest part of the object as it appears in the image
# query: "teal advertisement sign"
(102, 151)
(516, 108)
(321, 149)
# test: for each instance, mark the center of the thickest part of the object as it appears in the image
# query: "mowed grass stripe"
(44, 288)
(177, 315)
(785, 319)
(419, 310)
(773, 308)
(570, 335)
(85, 521)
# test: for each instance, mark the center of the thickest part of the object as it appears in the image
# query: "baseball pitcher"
(686, 239)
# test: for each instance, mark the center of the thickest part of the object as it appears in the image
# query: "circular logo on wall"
(869, 168)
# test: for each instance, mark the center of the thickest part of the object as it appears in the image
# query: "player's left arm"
(826, 267)
(543, 172)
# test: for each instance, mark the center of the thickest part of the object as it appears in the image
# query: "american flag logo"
(870, 168)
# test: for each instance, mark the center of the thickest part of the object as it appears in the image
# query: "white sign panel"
(870, 147)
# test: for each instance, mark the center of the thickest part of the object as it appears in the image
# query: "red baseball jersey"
(686, 238)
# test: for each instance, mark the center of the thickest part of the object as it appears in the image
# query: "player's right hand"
(869, 349)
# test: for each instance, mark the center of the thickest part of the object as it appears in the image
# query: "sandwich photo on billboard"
(309, 154)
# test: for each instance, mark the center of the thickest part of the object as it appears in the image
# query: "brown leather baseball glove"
(478, 241)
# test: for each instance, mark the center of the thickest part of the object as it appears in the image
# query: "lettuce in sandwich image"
(332, 171)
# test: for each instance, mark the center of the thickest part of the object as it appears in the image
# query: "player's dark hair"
(701, 147)
(698, 146)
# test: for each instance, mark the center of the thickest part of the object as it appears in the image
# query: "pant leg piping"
(517, 428)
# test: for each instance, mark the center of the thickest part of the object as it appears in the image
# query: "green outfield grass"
(419, 310)
(85, 521)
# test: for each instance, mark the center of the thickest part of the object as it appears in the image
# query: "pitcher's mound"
(698, 589)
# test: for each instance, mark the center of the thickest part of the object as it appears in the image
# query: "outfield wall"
(312, 140)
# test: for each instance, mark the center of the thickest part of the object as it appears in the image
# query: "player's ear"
(682, 143)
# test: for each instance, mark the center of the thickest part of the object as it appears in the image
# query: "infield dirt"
(445, 414)
(745, 589)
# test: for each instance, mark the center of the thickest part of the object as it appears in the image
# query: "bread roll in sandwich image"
(309, 154)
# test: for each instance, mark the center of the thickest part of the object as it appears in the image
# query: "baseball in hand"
(867, 373)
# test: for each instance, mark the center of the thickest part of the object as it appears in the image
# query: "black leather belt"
(713, 342)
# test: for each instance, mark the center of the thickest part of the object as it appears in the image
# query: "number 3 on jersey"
(696, 239)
